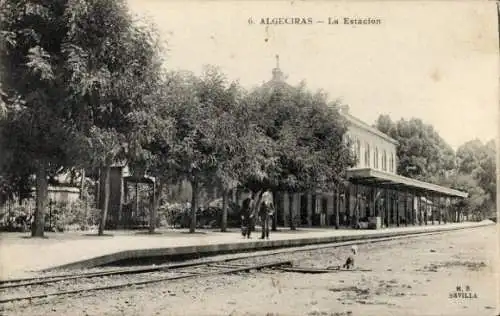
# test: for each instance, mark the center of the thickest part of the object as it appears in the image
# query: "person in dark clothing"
(266, 213)
(246, 218)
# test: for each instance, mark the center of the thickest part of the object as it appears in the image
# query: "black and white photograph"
(168, 157)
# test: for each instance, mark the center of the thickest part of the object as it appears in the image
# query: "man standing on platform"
(266, 213)
(246, 217)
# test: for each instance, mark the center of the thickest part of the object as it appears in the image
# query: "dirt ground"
(417, 276)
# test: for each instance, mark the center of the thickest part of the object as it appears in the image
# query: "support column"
(380, 208)
(319, 209)
(392, 219)
(419, 210)
(337, 208)
(405, 206)
(296, 208)
(329, 210)
(286, 208)
(356, 206)
(442, 201)
(433, 209)
(120, 205)
(375, 211)
(398, 217)
(347, 204)
(413, 209)
(291, 198)
(438, 206)
(447, 208)
(309, 209)
(426, 206)
(387, 217)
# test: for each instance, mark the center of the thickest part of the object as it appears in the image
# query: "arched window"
(375, 159)
(358, 151)
(367, 155)
(391, 163)
(384, 161)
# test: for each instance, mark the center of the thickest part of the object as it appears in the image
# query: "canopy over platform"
(372, 177)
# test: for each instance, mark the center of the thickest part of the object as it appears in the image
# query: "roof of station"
(372, 177)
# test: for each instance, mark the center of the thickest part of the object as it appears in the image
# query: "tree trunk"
(82, 184)
(98, 189)
(223, 224)
(291, 205)
(337, 207)
(154, 207)
(274, 224)
(105, 204)
(37, 229)
(194, 205)
(137, 199)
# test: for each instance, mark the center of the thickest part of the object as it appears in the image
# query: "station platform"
(22, 256)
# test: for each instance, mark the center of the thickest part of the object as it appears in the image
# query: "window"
(358, 151)
(375, 159)
(391, 163)
(384, 161)
(367, 155)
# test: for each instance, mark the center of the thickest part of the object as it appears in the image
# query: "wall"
(367, 137)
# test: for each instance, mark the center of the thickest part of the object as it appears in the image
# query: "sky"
(437, 61)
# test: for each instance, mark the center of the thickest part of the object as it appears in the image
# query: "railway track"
(43, 287)
(67, 284)
(19, 282)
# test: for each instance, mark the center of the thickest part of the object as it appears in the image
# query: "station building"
(376, 196)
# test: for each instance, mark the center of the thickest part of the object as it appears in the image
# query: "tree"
(303, 147)
(115, 64)
(478, 161)
(233, 138)
(31, 67)
(421, 152)
(151, 141)
(205, 139)
(474, 205)
(79, 67)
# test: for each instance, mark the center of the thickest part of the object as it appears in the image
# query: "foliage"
(421, 152)
(424, 155)
(477, 160)
(76, 70)
(474, 205)
(301, 147)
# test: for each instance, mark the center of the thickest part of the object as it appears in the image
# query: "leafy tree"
(204, 134)
(115, 63)
(302, 147)
(474, 204)
(79, 68)
(478, 160)
(421, 152)
(151, 141)
(31, 72)
(233, 138)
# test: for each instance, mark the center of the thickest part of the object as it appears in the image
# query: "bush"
(16, 217)
(77, 215)
(210, 217)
